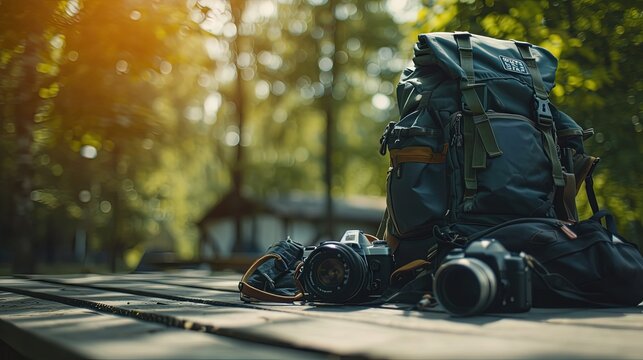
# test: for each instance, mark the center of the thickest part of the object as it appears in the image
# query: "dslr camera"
(483, 277)
(351, 270)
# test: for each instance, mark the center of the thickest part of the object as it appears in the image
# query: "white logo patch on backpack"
(514, 65)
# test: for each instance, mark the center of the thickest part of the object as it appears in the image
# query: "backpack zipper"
(559, 224)
(507, 116)
(389, 202)
(456, 140)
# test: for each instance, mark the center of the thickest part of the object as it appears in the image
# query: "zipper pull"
(571, 235)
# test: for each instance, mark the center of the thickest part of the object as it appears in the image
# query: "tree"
(92, 95)
(25, 27)
(303, 63)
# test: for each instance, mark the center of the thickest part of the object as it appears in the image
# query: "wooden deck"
(198, 315)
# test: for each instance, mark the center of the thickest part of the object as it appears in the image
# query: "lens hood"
(465, 286)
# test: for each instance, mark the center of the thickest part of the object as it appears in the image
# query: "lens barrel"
(334, 273)
(465, 286)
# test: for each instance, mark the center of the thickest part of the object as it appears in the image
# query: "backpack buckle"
(543, 112)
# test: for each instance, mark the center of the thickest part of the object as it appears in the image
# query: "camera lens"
(334, 272)
(465, 286)
(330, 272)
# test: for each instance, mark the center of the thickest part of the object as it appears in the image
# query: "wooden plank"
(621, 318)
(194, 278)
(300, 331)
(626, 318)
(122, 303)
(42, 329)
(366, 331)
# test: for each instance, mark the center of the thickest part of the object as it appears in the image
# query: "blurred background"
(179, 131)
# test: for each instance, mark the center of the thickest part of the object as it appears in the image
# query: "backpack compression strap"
(479, 137)
(545, 119)
(587, 173)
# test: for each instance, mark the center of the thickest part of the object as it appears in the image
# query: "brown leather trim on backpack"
(565, 199)
(420, 154)
(249, 293)
(583, 165)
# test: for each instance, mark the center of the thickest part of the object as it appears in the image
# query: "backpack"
(480, 152)
(478, 141)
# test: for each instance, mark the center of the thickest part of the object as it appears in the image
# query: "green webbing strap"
(481, 122)
(478, 158)
(539, 87)
(466, 61)
(463, 39)
(470, 179)
(552, 153)
(479, 138)
(545, 120)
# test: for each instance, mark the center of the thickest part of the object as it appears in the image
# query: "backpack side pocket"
(417, 190)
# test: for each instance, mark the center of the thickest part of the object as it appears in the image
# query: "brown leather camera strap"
(408, 272)
(249, 293)
(371, 238)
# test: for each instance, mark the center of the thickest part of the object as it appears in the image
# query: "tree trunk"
(329, 108)
(237, 7)
(116, 243)
(25, 103)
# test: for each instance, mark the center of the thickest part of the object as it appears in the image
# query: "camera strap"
(416, 292)
(411, 284)
(250, 293)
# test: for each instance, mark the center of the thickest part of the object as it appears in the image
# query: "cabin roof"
(297, 206)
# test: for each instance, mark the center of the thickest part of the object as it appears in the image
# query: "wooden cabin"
(266, 221)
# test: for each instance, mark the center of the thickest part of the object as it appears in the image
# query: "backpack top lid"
(492, 58)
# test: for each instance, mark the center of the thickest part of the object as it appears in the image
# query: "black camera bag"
(581, 264)
(271, 277)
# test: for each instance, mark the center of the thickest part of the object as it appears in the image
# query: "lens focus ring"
(465, 286)
(334, 273)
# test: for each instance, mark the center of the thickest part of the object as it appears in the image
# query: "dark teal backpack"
(478, 141)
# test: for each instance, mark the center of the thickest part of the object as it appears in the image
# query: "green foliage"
(113, 152)
(125, 115)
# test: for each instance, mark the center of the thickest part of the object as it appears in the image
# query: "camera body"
(351, 270)
(483, 277)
